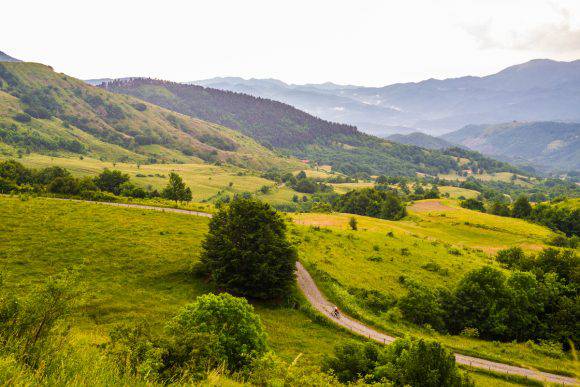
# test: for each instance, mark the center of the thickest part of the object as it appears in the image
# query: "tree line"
(106, 186)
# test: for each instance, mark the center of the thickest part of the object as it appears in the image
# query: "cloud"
(556, 37)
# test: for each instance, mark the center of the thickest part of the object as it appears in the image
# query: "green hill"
(42, 111)
(294, 132)
(549, 146)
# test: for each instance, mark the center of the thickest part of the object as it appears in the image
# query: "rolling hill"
(289, 130)
(42, 111)
(550, 146)
(539, 90)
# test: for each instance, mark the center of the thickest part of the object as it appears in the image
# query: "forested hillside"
(545, 145)
(290, 130)
(46, 112)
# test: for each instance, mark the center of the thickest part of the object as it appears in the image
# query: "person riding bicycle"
(336, 312)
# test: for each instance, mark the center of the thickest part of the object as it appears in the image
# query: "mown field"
(436, 246)
(135, 266)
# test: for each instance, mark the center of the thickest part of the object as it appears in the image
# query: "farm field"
(435, 246)
(457, 192)
(496, 176)
(135, 266)
(343, 188)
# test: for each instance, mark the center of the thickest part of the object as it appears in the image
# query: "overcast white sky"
(360, 42)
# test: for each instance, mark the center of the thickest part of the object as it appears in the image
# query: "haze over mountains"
(551, 146)
(539, 90)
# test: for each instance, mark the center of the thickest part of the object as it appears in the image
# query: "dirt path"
(320, 303)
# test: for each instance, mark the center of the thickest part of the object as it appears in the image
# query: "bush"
(64, 185)
(420, 363)
(472, 204)
(23, 118)
(352, 361)
(482, 298)
(405, 362)
(422, 306)
(512, 257)
(372, 202)
(111, 181)
(246, 250)
(522, 208)
(229, 323)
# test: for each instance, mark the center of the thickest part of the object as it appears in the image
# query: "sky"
(362, 42)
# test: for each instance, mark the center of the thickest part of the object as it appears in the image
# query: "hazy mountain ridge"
(539, 90)
(550, 146)
(290, 130)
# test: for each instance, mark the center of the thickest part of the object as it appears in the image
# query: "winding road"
(321, 304)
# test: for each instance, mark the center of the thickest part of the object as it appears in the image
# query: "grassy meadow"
(135, 266)
(206, 181)
(436, 245)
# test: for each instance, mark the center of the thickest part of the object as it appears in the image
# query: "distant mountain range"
(548, 146)
(539, 90)
(7, 58)
(293, 132)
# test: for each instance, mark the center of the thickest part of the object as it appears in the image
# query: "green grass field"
(135, 266)
(205, 180)
(435, 246)
(506, 177)
(457, 192)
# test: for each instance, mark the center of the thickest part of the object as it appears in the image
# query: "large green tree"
(246, 250)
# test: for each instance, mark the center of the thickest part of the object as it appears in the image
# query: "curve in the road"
(321, 304)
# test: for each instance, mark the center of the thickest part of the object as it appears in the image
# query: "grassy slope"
(431, 236)
(134, 264)
(117, 137)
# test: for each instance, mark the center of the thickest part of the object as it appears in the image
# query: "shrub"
(472, 204)
(511, 257)
(521, 208)
(246, 250)
(229, 323)
(111, 181)
(422, 306)
(352, 361)
(64, 185)
(353, 223)
(420, 363)
(23, 118)
(372, 202)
